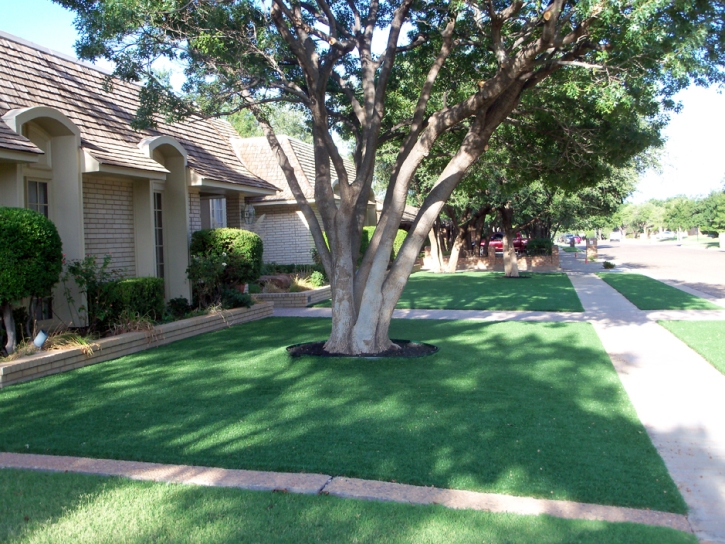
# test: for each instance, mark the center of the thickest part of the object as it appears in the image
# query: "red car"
(496, 242)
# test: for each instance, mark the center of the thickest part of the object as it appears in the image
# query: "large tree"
(323, 56)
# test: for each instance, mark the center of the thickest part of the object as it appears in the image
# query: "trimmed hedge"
(142, 296)
(243, 252)
(31, 254)
(367, 235)
(539, 246)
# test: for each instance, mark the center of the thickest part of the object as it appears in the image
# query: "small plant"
(318, 278)
(206, 275)
(71, 340)
(89, 276)
(178, 307)
(231, 298)
(608, 265)
(130, 321)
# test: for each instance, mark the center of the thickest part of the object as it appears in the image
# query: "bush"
(317, 279)
(231, 298)
(539, 246)
(133, 296)
(31, 258)
(241, 249)
(178, 307)
(90, 277)
(367, 235)
(608, 265)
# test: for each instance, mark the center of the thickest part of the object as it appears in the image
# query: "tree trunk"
(9, 322)
(510, 261)
(456, 251)
(435, 251)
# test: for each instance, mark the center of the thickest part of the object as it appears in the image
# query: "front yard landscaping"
(488, 291)
(649, 294)
(49, 508)
(532, 409)
(706, 337)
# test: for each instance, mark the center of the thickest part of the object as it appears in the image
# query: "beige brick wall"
(108, 221)
(234, 208)
(194, 212)
(286, 237)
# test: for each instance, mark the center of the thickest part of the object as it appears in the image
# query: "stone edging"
(301, 299)
(45, 363)
(342, 487)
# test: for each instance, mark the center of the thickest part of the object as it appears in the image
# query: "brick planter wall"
(541, 263)
(45, 363)
(295, 300)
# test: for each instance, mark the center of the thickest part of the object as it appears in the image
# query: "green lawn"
(488, 291)
(37, 507)
(706, 337)
(649, 294)
(533, 409)
(569, 249)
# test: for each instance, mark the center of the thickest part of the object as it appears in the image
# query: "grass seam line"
(352, 488)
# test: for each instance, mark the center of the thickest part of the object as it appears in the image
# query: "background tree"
(320, 56)
(30, 261)
(283, 118)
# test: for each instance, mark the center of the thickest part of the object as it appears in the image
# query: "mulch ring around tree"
(407, 348)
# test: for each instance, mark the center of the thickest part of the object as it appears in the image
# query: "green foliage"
(206, 274)
(317, 279)
(539, 246)
(178, 307)
(284, 119)
(241, 250)
(132, 296)
(232, 298)
(31, 254)
(90, 276)
(608, 265)
(367, 236)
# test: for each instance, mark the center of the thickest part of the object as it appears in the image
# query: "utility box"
(592, 249)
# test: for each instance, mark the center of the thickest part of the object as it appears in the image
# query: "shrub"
(178, 307)
(317, 279)
(206, 273)
(31, 259)
(608, 265)
(231, 298)
(142, 297)
(539, 246)
(367, 235)
(241, 249)
(90, 276)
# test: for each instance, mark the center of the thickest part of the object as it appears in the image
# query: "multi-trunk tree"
(338, 58)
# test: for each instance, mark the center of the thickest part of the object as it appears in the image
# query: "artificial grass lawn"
(488, 291)
(533, 409)
(44, 507)
(706, 337)
(649, 294)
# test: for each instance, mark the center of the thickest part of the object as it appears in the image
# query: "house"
(279, 221)
(67, 150)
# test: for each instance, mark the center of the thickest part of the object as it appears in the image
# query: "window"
(38, 197)
(159, 235)
(43, 309)
(218, 213)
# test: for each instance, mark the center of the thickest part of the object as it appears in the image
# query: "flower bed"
(45, 363)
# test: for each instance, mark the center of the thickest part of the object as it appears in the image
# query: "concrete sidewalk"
(678, 396)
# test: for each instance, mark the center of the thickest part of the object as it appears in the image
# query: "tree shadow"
(531, 409)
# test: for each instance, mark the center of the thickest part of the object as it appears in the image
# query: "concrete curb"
(350, 488)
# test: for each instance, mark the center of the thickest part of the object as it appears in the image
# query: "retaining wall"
(45, 363)
(295, 300)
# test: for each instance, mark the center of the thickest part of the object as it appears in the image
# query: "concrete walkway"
(678, 395)
(349, 488)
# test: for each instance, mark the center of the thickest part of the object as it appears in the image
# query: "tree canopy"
(407, 72)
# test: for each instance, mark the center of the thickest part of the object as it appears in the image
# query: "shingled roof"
(34, 76)
(259, 159)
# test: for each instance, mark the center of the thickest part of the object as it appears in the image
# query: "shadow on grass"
(78, 508)
(528, 409)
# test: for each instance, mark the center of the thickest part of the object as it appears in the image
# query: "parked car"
(615, 236)
(496, 242)
(568, 237)
(665, 235)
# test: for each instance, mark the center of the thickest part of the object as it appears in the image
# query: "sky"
(692, 162)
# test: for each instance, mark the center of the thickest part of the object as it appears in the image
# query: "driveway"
(701, 269)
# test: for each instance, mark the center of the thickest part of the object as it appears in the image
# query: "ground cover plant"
(706, 337)
(45, 507)
(532, 409)
(650, 294)
(488, 291)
